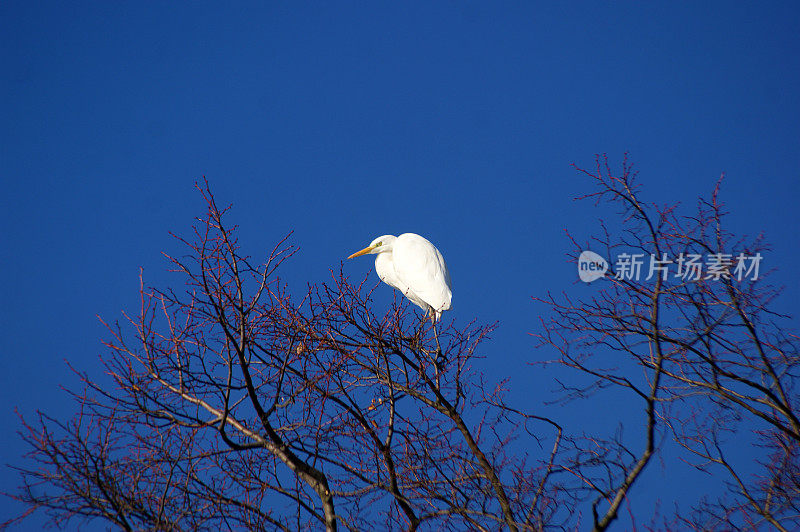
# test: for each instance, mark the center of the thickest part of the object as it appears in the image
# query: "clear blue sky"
(345, 121)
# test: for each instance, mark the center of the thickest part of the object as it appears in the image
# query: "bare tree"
(233, 405)
(230, 403)
(699, 348)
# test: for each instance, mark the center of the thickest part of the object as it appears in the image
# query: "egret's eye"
(379, 244)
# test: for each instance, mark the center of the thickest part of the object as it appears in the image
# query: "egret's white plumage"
(414, 266)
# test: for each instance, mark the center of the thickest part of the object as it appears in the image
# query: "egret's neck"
(384, 256)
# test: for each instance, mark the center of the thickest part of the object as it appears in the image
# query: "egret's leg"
(438, 347)
(439, 358)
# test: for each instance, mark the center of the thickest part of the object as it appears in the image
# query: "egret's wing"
(420, 266)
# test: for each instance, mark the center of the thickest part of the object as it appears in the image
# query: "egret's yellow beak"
(362, 252)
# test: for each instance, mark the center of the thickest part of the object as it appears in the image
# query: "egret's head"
(379, 245)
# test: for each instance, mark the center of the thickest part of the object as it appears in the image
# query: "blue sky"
(345, 121)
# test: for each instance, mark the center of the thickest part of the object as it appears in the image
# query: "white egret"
(414, 266)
